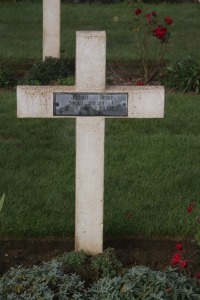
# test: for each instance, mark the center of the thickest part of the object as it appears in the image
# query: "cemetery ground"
(21, 30)
(151, 166)
(151, 175)
(151, 169)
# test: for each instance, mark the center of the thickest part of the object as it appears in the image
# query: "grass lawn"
(151, 172)
(151, 166)
(21, 29)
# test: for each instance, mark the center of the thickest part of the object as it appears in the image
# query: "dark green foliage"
(144, 283)
(4, 77)
(53, 281)
(75, 262)
(184, 74)
(75, 259)
(41, 282)
(106, 264)
(47, 72)
(66, 81)
(92, 268)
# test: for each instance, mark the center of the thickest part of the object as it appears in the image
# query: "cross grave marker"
(90, 102)
(51, 28)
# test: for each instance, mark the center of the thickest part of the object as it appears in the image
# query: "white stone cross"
(38, 101)
(51, 28)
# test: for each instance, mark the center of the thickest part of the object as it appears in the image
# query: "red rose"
(190, 208)
(176, 259)
(197, 275)
(137, 11)
(179, 246)
(183, 263)
(168, 20)
(148, 17)
(154, 13)
(160, 32)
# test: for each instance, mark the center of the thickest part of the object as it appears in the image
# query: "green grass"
(21, 29)
(151, 172)
(151, 166)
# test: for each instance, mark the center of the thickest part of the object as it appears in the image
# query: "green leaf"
(2, 201)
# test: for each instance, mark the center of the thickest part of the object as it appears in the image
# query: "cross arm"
(37, 101)
(143, 101)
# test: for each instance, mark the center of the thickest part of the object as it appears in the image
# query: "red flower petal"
(160, 32)
(191, 206)
(197, 275)
(174, 262)
(137, 11)
(183, 263)
(176, 259)
(168, 20)
(179, 246)
(148, 17)
(190, 209)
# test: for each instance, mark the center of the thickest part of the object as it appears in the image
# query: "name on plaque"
(90, 104)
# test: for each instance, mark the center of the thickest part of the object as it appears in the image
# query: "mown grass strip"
(21, 29)
(151, 172)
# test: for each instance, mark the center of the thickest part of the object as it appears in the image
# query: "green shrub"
(143, 283)
(48, 71)
(75, 259)
(106, 264)
(184, 75)
(66, 81)
(44, 282)
(4, 77)
(52, 280)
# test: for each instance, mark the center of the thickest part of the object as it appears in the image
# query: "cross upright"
(51, 28)
(90, 101)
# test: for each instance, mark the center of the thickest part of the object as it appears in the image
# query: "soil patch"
(156, 253)
(117, 73)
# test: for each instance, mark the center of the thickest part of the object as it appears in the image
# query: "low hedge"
(77, 276)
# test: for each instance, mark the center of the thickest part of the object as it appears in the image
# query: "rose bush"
(152, 36)
(179, 259)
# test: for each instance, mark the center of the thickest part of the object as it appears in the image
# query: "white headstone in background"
(90, 102)
(51, 28)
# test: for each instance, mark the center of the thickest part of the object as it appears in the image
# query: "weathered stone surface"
(143, 102)
(90, 61)
(51, 28)
(89, 184)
